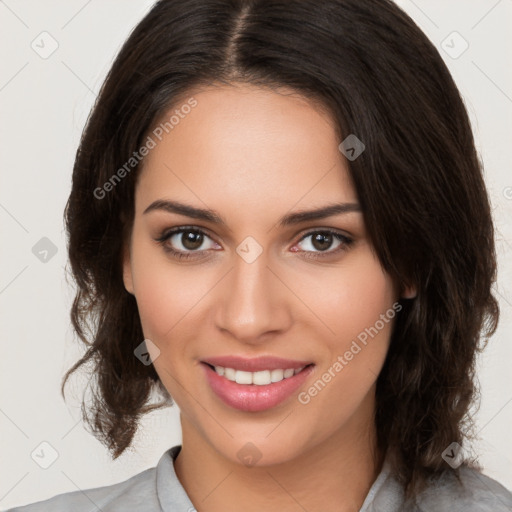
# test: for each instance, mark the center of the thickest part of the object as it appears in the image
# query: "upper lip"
(255, 364)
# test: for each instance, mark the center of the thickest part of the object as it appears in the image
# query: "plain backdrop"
(44, 103)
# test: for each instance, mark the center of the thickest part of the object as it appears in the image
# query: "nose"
(252, 302)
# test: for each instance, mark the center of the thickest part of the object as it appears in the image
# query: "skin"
(254, 155)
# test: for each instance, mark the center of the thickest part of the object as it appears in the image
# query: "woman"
(278, 219)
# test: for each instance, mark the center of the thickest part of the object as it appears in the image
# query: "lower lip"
(251, 397)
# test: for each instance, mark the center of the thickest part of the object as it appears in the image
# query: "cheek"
(356, 304)
(348, 299)
(165, 292)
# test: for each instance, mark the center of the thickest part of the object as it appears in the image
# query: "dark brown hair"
(419, 183)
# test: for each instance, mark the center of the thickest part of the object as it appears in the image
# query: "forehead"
(245, 145)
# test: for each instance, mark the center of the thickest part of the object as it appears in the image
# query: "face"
(250, 283)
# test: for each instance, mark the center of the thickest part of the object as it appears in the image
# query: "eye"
(320, 242)
(184, 241)
(187, 242)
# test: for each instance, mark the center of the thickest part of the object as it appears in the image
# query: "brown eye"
(183, 242)
(191, 240)
(322, 244)
(322, 241)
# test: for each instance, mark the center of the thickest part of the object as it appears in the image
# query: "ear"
(127, 269)
(409, 292)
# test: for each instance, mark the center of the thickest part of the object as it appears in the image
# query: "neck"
(335, 475)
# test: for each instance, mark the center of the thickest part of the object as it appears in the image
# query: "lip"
(255, 364)
(251, 397)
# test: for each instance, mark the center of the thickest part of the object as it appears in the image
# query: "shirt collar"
(170, 492)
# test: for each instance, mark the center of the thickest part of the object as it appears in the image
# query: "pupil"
(192, 240)
(322, 241)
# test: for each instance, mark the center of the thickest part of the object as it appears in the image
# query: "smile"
(255, 391)
(261, 378)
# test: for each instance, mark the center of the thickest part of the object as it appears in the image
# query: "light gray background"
(44, 105)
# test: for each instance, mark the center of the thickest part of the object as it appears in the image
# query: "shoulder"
(138, 493)
(471, 492)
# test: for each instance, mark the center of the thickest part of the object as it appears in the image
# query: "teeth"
(276, 375)
(261, 378)
(243, 377)
(229, 373)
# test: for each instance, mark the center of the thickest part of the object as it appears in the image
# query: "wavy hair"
(419, 182)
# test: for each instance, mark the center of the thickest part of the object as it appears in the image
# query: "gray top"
(159, 490)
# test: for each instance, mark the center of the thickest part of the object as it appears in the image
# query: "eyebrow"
(287, 220)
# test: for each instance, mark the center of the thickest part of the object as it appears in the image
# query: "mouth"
(254, 391)
(259, 378)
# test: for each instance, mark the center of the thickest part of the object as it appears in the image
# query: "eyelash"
(346, 242)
